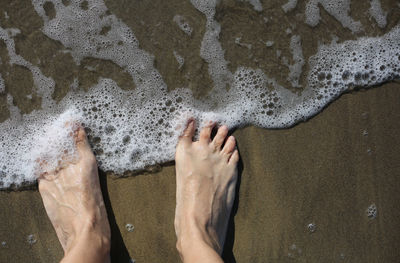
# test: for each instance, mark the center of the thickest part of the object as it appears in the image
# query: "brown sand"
(317, 172)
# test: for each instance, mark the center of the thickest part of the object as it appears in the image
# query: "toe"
(205, 133)
(229, 145)
(81, 141)
(80, 137)
(220, 137)
(188, 133)
(234, 158)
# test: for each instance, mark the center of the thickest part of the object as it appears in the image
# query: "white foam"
(339, 9)
(183, 24)
(2, 85)
(289, 6)
(79, 30)
(269, 43)
(53, 146)
(256, 5)
(129, 130)
(240, 43)
(377, 13)
(15, 113)
(44, 86)
(179, 59)
(211, 50)
(295, 69)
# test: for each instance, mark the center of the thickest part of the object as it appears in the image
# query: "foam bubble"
(179, 59)
(257, 6)
(2, 85)
(31, 239)
(290, 5)
(183, 24)
(377, 13)
(129, 227)
(372, 211)
(239, 43)
(269, 43)
(339, 9)
(295, 69)
(311, 227)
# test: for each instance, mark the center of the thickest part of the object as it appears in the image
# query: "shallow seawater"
(134, 74)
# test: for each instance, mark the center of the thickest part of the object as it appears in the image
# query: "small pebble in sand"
(31, 239)
(369, 151)
(3, 243)
(129, 227)
(342, 256)
(372, 211)
(132, 260)
(312, 227)
(365, 133)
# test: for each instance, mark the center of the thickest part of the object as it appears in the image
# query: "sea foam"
(132, 129)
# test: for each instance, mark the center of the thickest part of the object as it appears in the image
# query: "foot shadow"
(227, 253)
(119, 252)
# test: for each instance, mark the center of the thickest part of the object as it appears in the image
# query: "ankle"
(195, 233)
(90, 243)
(89, 231)
(196, 245)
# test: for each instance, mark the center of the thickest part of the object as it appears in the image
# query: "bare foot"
(74, 203)
(206, 178)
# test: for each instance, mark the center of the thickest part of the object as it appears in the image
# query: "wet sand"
(318, 172)
(324, 171)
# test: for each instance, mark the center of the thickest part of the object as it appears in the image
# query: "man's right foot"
(74, 203)
(206, 175)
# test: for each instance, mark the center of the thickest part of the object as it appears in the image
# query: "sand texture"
(325, 172)
(318, 172)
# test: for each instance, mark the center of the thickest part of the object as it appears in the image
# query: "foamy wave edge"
(130, 130)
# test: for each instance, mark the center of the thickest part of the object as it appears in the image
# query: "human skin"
(73, 201)
(206, 176)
